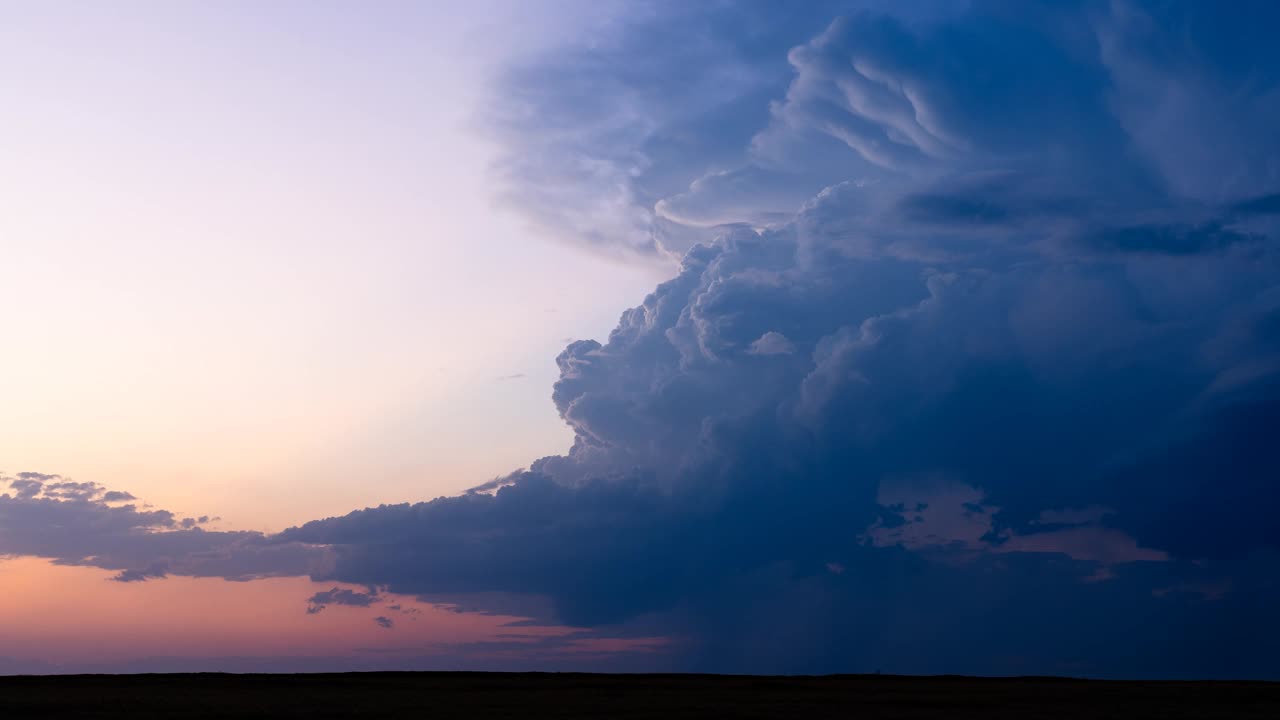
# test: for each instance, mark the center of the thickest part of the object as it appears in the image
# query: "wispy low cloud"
(83, 523)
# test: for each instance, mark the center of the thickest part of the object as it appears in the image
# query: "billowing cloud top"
(687, 118)
(971, 364)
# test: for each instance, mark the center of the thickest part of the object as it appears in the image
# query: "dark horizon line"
(655, 675)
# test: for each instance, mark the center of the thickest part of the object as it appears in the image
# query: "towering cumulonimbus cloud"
(973, 364)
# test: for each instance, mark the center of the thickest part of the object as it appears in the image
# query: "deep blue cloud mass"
(971, 364)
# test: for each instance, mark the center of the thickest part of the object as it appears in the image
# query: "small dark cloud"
(76, 491)
(26, 489)
(340, 596)
(383, 621)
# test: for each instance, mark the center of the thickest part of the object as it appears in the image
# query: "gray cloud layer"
(82, 523)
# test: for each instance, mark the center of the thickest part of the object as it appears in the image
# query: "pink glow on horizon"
(68, 616)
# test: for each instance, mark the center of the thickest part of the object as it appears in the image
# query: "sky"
(236, 239)
(726, 336)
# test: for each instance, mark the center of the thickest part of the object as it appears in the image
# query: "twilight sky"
(953, 340)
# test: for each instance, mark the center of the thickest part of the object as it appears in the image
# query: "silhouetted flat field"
(501, 695)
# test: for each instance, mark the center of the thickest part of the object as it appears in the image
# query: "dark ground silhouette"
(571, 695)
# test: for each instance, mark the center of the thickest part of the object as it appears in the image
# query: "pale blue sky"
(250, 247)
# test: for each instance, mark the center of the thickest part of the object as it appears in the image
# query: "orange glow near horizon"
(65, 615)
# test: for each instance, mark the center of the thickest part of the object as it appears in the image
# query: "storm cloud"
(963, 370)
